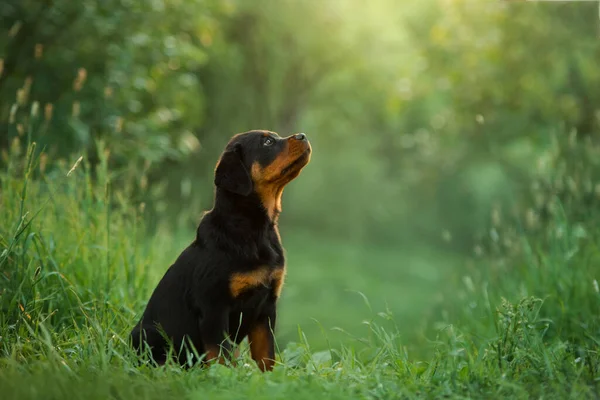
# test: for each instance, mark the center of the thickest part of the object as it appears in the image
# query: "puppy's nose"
(300, 136)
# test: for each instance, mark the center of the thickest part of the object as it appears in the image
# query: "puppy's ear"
(231, 174)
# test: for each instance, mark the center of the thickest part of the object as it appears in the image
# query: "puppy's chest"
(268, 277)
(269, 272)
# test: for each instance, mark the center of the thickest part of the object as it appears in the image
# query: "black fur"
(193, 304)
(231, 174)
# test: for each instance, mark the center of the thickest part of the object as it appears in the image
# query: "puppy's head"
(262, 162)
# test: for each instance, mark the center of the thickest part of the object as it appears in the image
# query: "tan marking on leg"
(213, 354)
(261, 347)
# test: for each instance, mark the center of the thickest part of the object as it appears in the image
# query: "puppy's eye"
(268, 142)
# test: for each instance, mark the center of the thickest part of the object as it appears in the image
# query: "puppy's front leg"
(214, 328)
(262, 341)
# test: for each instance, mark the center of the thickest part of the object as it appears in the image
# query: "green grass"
(357, 320)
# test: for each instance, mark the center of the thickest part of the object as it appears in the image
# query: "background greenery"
(443, 241)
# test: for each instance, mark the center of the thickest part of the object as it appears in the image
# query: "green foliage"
(454, 184)
(77, 265)
(434, 109)
(73, 73)
(57, 268)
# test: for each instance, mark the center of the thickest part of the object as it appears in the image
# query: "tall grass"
(75, 262)
(74, 258)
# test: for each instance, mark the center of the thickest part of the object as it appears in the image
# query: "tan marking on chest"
(240, 282)
(278, 277)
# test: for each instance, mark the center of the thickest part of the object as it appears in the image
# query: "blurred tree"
(491, 82)
(118, 70)
(421, 117)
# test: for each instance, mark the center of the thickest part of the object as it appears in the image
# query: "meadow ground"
(357, 321)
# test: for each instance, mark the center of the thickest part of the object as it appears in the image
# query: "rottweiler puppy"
(225, 285)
